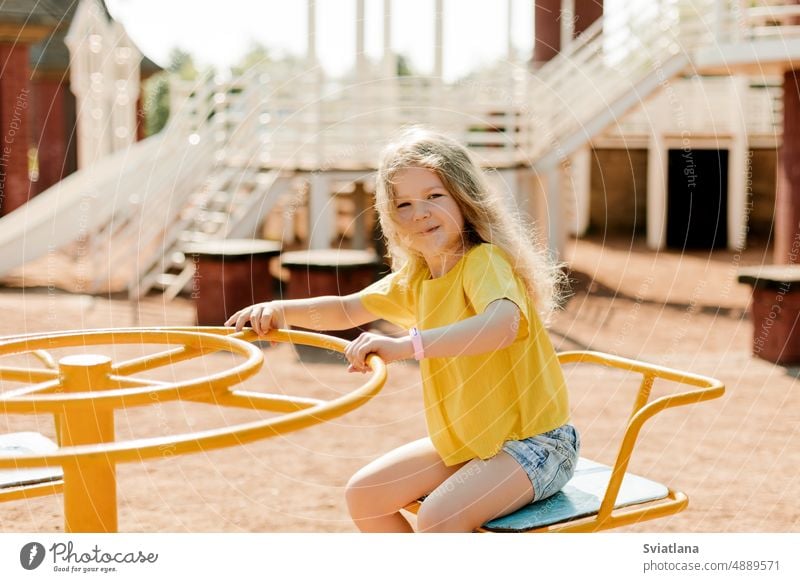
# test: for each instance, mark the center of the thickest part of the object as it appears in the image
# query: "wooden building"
(45, 92)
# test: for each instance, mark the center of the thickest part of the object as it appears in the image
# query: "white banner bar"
(405, 558)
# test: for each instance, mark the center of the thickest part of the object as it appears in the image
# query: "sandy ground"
(737, 457)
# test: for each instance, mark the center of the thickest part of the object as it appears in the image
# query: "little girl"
(470, 287)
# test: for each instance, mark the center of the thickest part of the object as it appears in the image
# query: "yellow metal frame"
(607, 517)
(84, 391)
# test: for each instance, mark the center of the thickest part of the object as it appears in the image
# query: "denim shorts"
(549, 459)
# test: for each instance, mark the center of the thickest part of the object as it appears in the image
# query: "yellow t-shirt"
(473, 404)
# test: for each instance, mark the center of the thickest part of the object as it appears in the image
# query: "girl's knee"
(356, 494)
(364, 496)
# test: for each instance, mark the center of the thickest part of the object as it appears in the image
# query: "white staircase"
(616, 64)
(230, 205)
(106, 202)
(628, 55)
(233, 198)
(124, 219)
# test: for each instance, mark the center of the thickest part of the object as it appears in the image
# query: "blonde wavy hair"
(487, 217)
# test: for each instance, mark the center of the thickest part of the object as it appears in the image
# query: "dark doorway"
(697, 199)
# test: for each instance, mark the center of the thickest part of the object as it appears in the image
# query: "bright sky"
(218, 32)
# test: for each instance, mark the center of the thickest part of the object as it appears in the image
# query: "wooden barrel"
(328, 272)
(775, 311)
(229, 275)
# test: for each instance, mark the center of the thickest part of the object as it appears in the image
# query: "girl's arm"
(494, 329)
(317, 313)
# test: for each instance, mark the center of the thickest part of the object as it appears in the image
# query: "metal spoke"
(46, 359)
(259, 401)
(27, 374)
(151, 361)
(42, 387)
(128, 382)
(167, 357)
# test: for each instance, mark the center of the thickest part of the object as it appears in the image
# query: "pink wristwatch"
(416, 342)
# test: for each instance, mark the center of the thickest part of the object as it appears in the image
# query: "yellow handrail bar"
(707, 389)
(305, 412)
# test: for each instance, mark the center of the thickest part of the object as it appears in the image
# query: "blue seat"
(580, 497)
(22, 443)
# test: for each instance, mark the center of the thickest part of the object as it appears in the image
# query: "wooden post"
(321, 213)
(556, 235)
(787, 199)
(738, 165)
(15, 107)
(389, 60)
(547, 35)
(438, 40)
(657, 186)
(585, 13)
(581, 186)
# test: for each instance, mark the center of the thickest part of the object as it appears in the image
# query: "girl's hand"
(388, 348)
(263, 317)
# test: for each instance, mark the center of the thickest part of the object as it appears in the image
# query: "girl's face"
(427, 215)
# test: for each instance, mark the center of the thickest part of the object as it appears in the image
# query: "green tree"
(257, 55)
(156, 89)
(156, 103)
(404, 67)
(182, 64)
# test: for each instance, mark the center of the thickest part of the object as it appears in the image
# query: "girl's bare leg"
(478, 492)
(377, 492)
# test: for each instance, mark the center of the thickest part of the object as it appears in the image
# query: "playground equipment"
(84, 391)
(599, 497)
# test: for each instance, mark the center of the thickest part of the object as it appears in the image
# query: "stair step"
(177, 260)
(212, 216)
(165, 280)
(219, 199)
(209, 228)
(191, 236)
(179, 283)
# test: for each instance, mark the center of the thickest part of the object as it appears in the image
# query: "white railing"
(226, 200)
(748, 20)
(155, 192)
(300, 119)
(616, 63)
(707, 106)
(304, 122)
